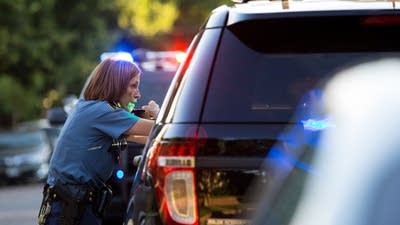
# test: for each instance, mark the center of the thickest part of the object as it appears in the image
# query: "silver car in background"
(24, 155)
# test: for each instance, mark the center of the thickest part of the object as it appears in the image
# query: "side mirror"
(56, 116)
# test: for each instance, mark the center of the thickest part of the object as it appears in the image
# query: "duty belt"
(56, 194)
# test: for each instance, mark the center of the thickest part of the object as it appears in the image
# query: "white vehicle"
(162, 60)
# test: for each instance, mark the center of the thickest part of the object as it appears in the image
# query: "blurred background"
(48, 49)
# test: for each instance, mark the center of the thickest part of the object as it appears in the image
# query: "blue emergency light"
(119, 174)
(124, 56)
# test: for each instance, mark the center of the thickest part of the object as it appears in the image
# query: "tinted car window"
(193, 86)
(268, 72)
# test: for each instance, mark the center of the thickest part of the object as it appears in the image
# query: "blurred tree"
(147, 17)
(47, 47)
(165, 20)
(14, 102)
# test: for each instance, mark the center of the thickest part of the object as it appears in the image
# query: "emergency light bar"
(124, 56)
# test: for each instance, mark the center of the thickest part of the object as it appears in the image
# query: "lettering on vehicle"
(227, 222)
(176, 161)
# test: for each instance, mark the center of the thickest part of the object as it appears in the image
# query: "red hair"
(109, 80)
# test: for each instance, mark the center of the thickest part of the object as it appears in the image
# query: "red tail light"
(172, 167)
(380, 20)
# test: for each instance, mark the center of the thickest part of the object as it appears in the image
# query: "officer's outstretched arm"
(139, 132)
(141, 128)
(137, 138)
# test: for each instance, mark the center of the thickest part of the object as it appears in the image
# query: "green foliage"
(147, 17)
(48, 45)
(17, 103)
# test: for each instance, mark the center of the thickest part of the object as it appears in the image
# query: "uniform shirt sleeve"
(114, 122)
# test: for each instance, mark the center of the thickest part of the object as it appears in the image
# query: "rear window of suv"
(265, 69)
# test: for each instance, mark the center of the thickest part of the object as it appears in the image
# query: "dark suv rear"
(250, 78)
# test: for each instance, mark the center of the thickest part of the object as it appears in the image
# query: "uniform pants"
(88, 217)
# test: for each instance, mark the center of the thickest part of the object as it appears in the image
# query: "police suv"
(247, 87)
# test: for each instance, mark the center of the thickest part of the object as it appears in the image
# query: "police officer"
(75, 192)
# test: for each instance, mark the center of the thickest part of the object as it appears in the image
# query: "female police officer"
(75, 192)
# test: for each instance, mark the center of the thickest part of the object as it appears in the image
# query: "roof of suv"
(265, 9)
(311, 5)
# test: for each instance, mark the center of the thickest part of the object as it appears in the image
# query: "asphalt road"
(20, 203)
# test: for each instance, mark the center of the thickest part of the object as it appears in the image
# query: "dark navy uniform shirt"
(81, 154)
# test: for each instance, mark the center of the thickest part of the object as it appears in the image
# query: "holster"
(45, 207)
(73, 204)
(103, 197)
